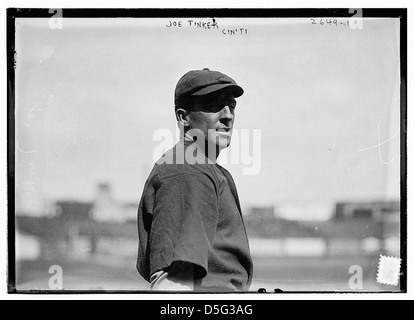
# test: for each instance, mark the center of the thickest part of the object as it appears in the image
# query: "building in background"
(105, 208)
(74, 210)
(380, 210)
(352, 229)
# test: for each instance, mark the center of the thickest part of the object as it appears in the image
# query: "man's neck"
(203, 147)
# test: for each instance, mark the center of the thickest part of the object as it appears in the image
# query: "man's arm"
(183, 227)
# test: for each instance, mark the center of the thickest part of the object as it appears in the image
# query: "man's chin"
(221, 142)
(224, 143)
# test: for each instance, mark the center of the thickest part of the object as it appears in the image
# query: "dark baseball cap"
(202, 82)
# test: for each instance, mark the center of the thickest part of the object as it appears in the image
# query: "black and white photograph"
(207, 151)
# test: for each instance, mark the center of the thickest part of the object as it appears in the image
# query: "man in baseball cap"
(191, 229)
(205, 109)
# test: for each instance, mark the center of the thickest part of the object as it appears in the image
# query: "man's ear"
(182, 117)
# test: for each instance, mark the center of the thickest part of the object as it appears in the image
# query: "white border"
(192, 4)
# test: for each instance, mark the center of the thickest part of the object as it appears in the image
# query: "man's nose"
(227, 113)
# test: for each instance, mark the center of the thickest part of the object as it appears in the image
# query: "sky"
(90, 97)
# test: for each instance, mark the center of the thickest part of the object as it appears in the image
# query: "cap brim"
(237, 90)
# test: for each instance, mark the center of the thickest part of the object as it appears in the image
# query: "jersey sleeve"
(184, 223)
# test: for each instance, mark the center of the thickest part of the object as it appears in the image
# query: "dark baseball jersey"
(191, 213)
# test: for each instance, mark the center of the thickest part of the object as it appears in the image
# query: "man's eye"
(216, 108)
(219, 107)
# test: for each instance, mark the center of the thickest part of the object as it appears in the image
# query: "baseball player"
(191, 230)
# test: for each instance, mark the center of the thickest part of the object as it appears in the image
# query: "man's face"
(214, 116)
